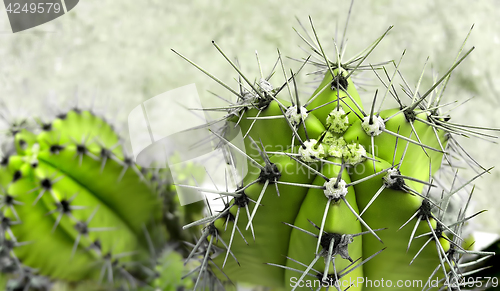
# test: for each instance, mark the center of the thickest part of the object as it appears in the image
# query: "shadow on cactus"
(340, 195)
(76, 208)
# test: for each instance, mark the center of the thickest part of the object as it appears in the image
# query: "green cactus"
(337, 193)
(76, 208)
(69, 192)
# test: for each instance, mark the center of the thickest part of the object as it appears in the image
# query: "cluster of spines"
(428, 104)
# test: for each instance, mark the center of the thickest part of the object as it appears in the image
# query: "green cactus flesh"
(72, 200)
(335, 192)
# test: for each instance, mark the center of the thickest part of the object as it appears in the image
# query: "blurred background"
(113, 55)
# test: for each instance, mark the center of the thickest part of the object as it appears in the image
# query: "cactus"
(76, 208)
(338, 193)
